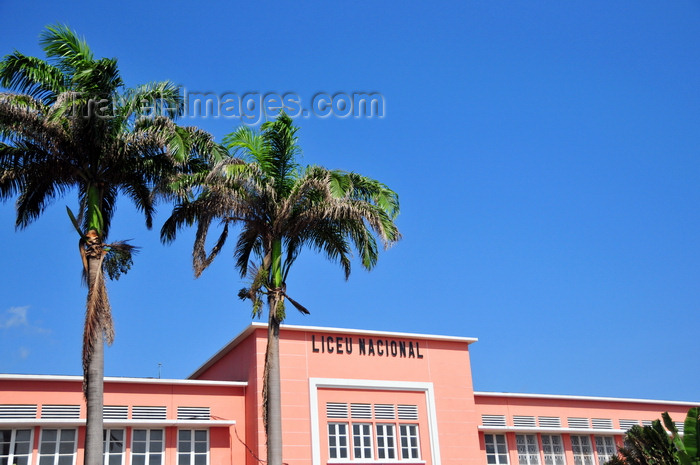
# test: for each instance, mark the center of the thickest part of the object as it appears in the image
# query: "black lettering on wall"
(313, 344)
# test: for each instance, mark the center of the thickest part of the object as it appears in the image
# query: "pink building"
(349, 397)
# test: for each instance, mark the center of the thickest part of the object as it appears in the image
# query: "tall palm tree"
(281, 208)
(69, 124)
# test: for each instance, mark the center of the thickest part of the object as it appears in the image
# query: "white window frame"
(341, 451)
(12, 454)
(192, 454)
(549, 442)
(387, 436)
(529, 450)
(56, 445)
(107, 441)
(148, 453)
(578, 449)
(364, 436)
(499, 448)
(412, 436)
(605, 451)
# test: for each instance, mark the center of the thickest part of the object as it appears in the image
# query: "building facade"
(348, 397)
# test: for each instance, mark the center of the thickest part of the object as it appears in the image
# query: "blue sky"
(545, 153)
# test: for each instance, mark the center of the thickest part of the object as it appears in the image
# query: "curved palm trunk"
(94, 373)
(272, 392)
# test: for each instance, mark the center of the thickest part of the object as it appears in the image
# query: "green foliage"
(652, 445)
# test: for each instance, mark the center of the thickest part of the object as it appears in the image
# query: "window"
(528, 449)
(374, 435)
(386, 441)
(409, 441)
(338, 440)
(605, 446)
(15, 446)
(113, 440)
(583, 452)
(57, 447)
(496, 449)
(192, 447)
(553, 450)
(146, 447)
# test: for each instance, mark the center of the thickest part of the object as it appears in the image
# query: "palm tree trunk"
(273, 401)
(94, 374)
(272, 392)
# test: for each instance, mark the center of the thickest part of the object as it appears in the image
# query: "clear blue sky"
(546, 154)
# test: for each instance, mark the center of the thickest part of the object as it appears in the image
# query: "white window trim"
(385, 436)
(362, 437)
(553, 454)
(337, 436)
(13, 444)
(380, 385)
(417, 435)
(56, 454)
(191, 453)
(148, 452)
(105, 446)
(528, 455)
(495, 448)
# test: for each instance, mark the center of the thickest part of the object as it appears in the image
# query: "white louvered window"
(408, 435)
(627, 424)
(60, 411)
(139, 412)
(605, 447)
(336, 410)
(147, 446)
(113, 441)
(115, 412)
(493, 420)
(384, 411)
(362, 441)
(549, 422)
(524, 421)
(193, 447)
(57, 447)
(408, 412)
(193, 413)
(17, 411)
(583, 452)
(386, 441)
(338, 440)
(15, 446)
(528, 449)
(496, 449)
(361, 411)
(553, 449)
(602, 423)
(576, 422)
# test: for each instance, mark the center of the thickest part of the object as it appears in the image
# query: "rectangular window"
(553, 450)
(605, 446)
(362, 440)
(338, 440)
(15, 446)
(386, 441)
(583, 452)
(409, 441)
(192, 447)
(528, 449)
(57, 447)
(113, 440)
(496, 449)
(147, 447)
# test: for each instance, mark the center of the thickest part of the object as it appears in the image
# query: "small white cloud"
(23, 353)
(15, 316)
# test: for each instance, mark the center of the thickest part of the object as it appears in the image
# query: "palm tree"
(69, 125)
(281, 208)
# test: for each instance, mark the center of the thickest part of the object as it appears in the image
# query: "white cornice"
(183, 382)
(584, 398)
